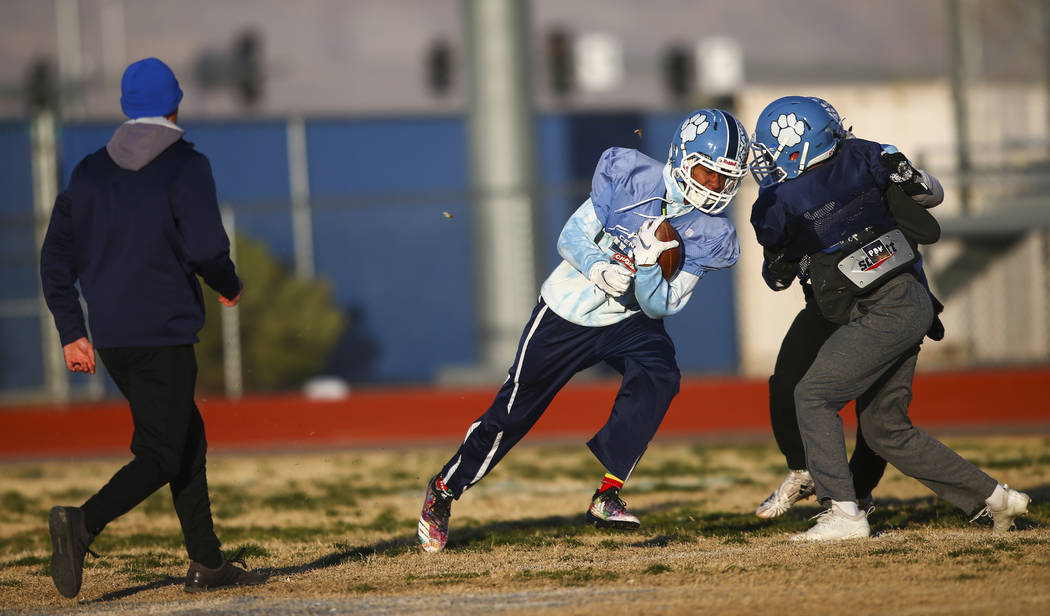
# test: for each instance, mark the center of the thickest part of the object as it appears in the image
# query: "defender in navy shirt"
(838, 212)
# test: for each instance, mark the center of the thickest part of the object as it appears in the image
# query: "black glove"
(778, 272)
(903, 174)
(913, 219)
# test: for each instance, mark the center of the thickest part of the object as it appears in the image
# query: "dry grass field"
(337, 531)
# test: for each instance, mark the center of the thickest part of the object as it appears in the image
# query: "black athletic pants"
(800, 346)
(168, 444)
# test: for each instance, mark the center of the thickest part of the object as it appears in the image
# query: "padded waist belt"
(877, 260)
(837, 280)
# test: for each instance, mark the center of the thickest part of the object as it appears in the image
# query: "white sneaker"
(798, 485)
(835, 523)
(1003, 518)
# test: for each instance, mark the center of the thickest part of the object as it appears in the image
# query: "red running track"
(1015, 400)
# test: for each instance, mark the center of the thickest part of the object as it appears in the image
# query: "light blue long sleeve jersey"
(627, 189)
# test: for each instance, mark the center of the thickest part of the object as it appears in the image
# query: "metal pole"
(45, 191)
(233, 375)
(963, 50)
(963, 54)
(70, 58)
(501, 138)
(1046, 137)
(299, 179)
(1046, 67)
(111, 20)
(96, 385)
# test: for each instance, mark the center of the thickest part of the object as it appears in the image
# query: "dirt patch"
(336, 531)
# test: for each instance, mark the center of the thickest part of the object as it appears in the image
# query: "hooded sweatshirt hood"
(137, 142)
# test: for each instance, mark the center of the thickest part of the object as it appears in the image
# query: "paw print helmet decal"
(792, 134)
(716, 140)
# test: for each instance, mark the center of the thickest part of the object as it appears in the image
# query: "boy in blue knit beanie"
(149, 89)
(135, 227)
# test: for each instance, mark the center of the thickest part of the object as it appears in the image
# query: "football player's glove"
(904, 174)
(647, 248)
(613, 278)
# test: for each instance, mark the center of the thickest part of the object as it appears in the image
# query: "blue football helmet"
(792, 134)
(715, 139)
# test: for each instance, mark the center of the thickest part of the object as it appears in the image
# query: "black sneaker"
(69, 544)
(200, 578)
(608, 510)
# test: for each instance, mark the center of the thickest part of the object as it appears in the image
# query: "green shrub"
(288, 326)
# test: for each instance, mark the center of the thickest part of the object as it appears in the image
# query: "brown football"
(671, 259)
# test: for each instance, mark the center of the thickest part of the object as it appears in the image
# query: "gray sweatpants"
(872, 359)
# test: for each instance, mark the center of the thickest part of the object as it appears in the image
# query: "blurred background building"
(395, 173)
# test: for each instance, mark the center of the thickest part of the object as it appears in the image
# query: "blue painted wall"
(379, 189)
(20, 359)
(17, 246)
(399, 266)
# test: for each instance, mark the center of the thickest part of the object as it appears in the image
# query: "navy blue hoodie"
(136, 225)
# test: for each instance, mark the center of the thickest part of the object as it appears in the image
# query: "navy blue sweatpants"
(550, 352)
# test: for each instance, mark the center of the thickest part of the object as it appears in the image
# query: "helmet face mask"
(793, 134)
(717, 141)
(764, 165)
